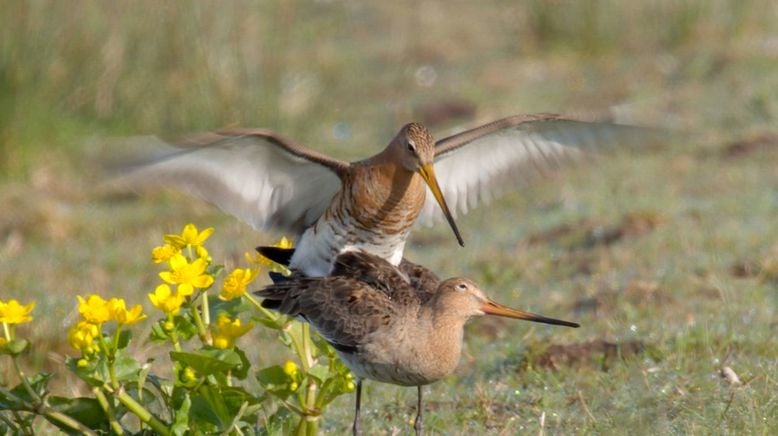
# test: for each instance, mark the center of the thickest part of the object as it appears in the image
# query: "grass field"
(668, 259)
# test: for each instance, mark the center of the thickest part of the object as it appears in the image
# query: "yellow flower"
(236, 282)
(189, 236)
(227, 330)
(258, 259)
(82, 335)
(119, 313)
(164, 300)
(94, 309)
(187, 275)
(14, 313)
(163, 253)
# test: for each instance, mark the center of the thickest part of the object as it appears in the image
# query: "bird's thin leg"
(356, 413)
(418, 425)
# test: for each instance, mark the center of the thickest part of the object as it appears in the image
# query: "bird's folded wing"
(263, 179)
(344, 311)
(480, 164)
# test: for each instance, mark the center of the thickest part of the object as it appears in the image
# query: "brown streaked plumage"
(333, 206)
(386, 324)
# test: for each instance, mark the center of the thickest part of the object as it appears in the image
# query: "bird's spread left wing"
(477, 165)
(256, 175)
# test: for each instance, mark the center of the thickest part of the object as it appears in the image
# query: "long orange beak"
(428, 174)
(492, 308)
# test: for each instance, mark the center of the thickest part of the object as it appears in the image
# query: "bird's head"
(462, 297)
(414, 149)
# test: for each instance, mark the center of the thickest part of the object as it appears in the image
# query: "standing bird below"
(269, 181)
(386, 326)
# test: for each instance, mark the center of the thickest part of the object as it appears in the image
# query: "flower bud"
(290, 368)
(189, 375)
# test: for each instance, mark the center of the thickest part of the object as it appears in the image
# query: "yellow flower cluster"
(95, 311)
(82, 336)
(13, 312)
(189, 237)
(186, 274)
(226, 330)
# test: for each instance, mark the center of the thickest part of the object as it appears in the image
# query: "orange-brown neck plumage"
(385, 196)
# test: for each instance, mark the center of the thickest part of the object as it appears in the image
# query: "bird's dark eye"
(411, 147)
(461, 287)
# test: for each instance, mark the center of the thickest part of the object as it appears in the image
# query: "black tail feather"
(277, 277)
(271, 304)
(281, 256)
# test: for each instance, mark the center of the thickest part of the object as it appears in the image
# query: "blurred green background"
(673, 252)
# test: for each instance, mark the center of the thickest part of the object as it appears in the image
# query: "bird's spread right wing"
(486, 162)
(256, 175)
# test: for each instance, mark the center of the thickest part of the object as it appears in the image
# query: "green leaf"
(15, 347)
(181, 418)
(323, 346)
(269, 323)
(209, 405)
(19, 398)
(275, 381)
(126, 367)
(39, 383)
(10, 401)
(232, 307)
(124, 338)
(84, 410)
(158, 333)
(144, 373)
(95, 373)
(185, 327)
(241, 371)
(319, 373)
(215, 270)
(208, 361)
(281, 422)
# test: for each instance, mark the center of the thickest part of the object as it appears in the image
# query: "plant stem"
(321, 399)
(7, 332)
(103, 401)
(311, 416)
(201, 330)
(110, 354)
(68, 421)
(307, 344)
(34, 395)
(49, 414)
(299, 349)
(309, 421)
(206, 310)
(142, 413)
(173, 333)
(269, 314)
